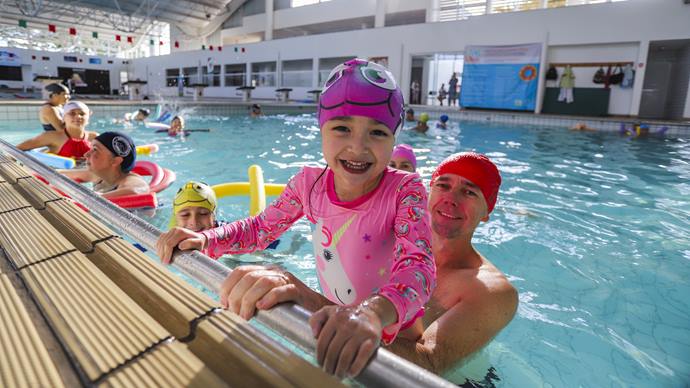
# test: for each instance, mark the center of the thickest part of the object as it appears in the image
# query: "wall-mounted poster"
(501, 77)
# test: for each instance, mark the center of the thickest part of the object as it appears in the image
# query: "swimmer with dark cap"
(109, 167)
(51, 115)
(255, 111)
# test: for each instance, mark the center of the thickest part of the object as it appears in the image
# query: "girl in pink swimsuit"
(371, 235)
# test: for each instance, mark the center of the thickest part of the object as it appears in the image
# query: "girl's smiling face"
(77, 119)
(357, 149)
(195, 218)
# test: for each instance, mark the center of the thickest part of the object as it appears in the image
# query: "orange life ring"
(528, 73)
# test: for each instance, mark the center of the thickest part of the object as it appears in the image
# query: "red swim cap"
(476, 168)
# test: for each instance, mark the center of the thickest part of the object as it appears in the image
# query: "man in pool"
(473, 299)
(109, 165)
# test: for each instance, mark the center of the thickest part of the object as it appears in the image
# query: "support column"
(268, 34)
(642, 54)
(380, 15)
(541, 85)
(315, 73)
(432, 10)
(248, 74)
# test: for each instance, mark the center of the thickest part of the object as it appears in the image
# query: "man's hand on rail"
(178, 237)
(252, 287)
(347, 337)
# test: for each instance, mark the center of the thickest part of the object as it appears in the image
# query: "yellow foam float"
(256, 189)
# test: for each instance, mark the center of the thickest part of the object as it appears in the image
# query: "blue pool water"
(591, 228)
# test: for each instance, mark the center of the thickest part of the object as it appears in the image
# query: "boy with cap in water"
(422, 123)
(194, 207)
(109, 165)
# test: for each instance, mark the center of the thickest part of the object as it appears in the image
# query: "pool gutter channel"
(287, 319)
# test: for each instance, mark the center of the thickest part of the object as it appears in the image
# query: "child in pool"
(403, 158)
(72, 142)
(442, 122)
(177, 127)
(194, 207)
(371, 238)
(422, 123)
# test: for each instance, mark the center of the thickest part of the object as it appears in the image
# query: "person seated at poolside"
(473, 300)
(409, 115)
(443, 122)
(139, 115)
(422, 123)
(109, 167)
(255, 111)
(403, 158)
(581, 127)
(74, 141)
(51, 113)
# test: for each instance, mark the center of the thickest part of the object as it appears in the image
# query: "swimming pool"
(591, 228)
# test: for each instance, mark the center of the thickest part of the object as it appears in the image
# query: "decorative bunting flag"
(210, 47)
(51, 27)
(203, 47)
(151, 42)
(22, 23)
(130, 40)
(177, 44)
(220, 48)
(242, 49)
(160, 43)
(94, 35)
(235, 49)
(72, 31)
(118, 38)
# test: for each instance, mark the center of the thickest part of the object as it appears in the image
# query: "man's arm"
(80, 174)
(132, 185)
(462, 330)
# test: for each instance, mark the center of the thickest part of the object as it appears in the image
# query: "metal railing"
(384, 370)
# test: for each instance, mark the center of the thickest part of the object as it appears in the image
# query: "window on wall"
(300, 3)
(212, 78)
(328, 64)
(297, 73)
(234, 75)
(263, 74)
(11, 73)
(171, 76)
(190, 75)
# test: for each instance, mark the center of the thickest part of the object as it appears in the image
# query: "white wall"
(620, 100)
(330, 11)
(33, 67)
(611, 31)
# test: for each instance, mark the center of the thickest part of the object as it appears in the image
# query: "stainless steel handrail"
(288, 319)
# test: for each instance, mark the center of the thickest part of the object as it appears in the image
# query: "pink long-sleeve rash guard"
(379, 243)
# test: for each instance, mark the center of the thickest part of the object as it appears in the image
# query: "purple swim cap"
(405, 151)
(362, 88)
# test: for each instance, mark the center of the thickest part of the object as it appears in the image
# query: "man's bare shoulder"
(133, 181)
(484, 284)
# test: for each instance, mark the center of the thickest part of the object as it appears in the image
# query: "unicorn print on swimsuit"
(329, 264)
